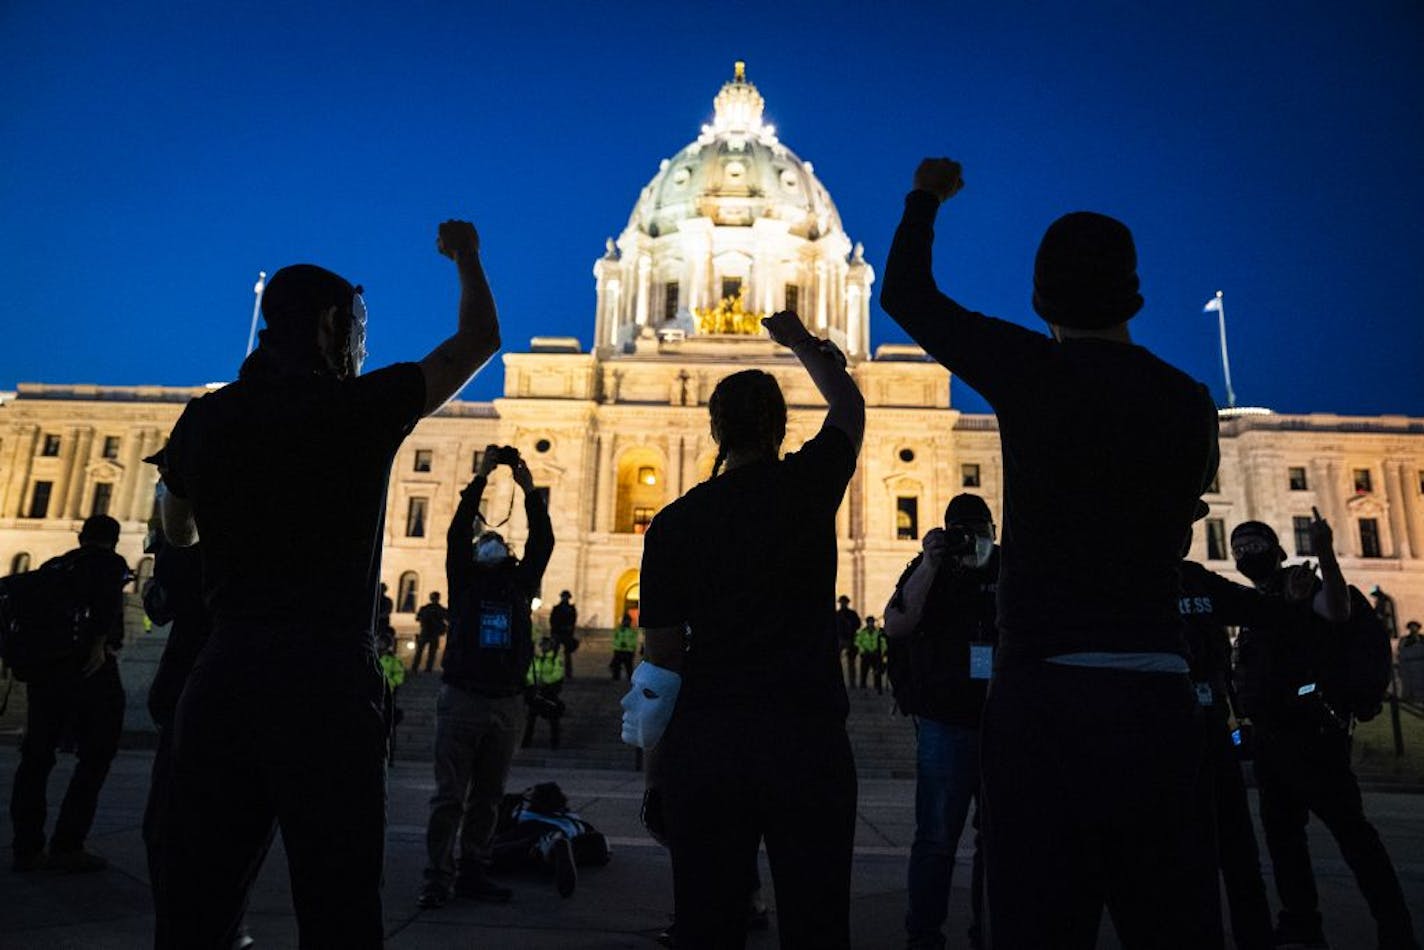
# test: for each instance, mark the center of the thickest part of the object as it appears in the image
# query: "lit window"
(423, 458)
(907, 519)
(111, 446)
(1300, 525)
(647, 475)
(407, 591)
(51, 445)
(1363, 482)
(20, 563)
(415, 518)
(1216, 539)
(103, 493)
(1298, 480)
(1370, 538)
(39, 501)
(969, 475)
(642, 517)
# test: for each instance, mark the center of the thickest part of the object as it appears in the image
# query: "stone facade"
(617, 432)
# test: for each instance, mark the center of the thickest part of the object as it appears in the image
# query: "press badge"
(1204, 697)
(494, 626)
(981, 661)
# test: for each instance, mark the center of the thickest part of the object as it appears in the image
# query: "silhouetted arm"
(461, 535)
(827, 369)
(451, 364)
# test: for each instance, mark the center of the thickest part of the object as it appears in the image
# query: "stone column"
(140, 503)
(79, 481)
(645, 278)
(1402, 547)
(1410, 506)
(22, 454)
(603, 476)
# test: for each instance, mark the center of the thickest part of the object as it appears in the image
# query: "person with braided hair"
(741, 691)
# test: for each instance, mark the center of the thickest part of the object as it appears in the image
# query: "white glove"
(648, 706)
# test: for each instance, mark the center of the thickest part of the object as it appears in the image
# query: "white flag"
(1212, 306)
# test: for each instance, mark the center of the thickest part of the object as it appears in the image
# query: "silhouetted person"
(79, 695)
(847, 625)
(563, 623)
(1411, 663)
(486, 658)
(543, 684)
(1293, 682)
(1208, 604)
(284, 473)
(757, 745)
(870, 644)
(433, 619)
(625, 644)
(940, 623)
(1090, 731)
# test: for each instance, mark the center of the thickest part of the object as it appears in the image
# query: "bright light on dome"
(536, 603)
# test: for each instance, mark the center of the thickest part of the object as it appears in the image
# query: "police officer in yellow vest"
(625, 644)
(870, 644)
(543, 683)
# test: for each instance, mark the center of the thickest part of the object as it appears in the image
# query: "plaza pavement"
(622, 905)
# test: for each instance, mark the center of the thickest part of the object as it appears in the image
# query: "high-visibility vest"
(625, 639)
(870, 641)
(545, 669)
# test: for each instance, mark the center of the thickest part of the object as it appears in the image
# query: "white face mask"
(983, 549)
(490, 551)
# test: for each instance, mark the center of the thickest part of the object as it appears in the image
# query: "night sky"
(154, 158)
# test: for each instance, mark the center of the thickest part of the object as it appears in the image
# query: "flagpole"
(256, 309)
(1225, 362)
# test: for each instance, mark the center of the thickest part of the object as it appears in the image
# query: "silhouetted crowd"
(1070, 674)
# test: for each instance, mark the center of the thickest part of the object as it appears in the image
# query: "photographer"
(1298, 679)
(742, 673)
(434, 619)
(477, 715)
(941, 628)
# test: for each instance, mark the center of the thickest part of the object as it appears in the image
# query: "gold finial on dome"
(738, 107)
(739, 71)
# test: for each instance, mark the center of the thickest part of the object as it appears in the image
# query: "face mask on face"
(490, 551)
(983, 548)
(1258, 565)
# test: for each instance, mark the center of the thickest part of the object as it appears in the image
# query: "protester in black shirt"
(563, 621)
(433, 618)
(284, 473)
(847, 623)
(940, 623)
(1089, 744)
(1288, 675)
(477, 715)
(81, 697)
(756, 745)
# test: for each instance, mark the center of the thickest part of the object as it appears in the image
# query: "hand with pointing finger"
(1322, 538)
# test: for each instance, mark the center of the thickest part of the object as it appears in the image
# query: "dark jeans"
(1224, 792)
(730, 779)
(622, 660)
(872, 663)
(423, 643)
(1299, 771)
(474, 743)
(251, 756)
(946, 782)
(1090, 800)
(92, 710)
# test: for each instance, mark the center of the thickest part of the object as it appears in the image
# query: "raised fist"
(1321, 537)
(786, 328)
(457, 239)
(941, 177)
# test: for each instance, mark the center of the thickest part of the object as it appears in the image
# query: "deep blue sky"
(154, 158)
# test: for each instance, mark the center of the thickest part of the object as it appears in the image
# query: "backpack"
(42, 618)
(1361, 661)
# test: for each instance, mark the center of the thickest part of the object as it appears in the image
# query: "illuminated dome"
(732, 228)
(736, 172)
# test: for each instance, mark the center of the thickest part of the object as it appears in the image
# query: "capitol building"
(732, 227)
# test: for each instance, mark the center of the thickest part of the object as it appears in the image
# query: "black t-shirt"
(1106, 450)
(432, 619)
(930, 669)
(562, 619)
(748, 561)
(287, 479)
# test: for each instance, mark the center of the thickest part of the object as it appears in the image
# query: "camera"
(959, 540)
(506, 455)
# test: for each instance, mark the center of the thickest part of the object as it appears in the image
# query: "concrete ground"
(621, 905)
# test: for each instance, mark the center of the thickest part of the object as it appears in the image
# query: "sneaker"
(77, 861)
(433, 895)
(481, 888)
(26, 861)
(565, 871)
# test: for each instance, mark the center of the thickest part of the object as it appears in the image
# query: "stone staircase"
(884, 743)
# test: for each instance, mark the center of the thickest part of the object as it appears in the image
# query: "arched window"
(20, 563)
(627, 593)
(407, 592)
(642, 490)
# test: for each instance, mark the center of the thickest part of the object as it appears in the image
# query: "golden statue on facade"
(729, 317)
